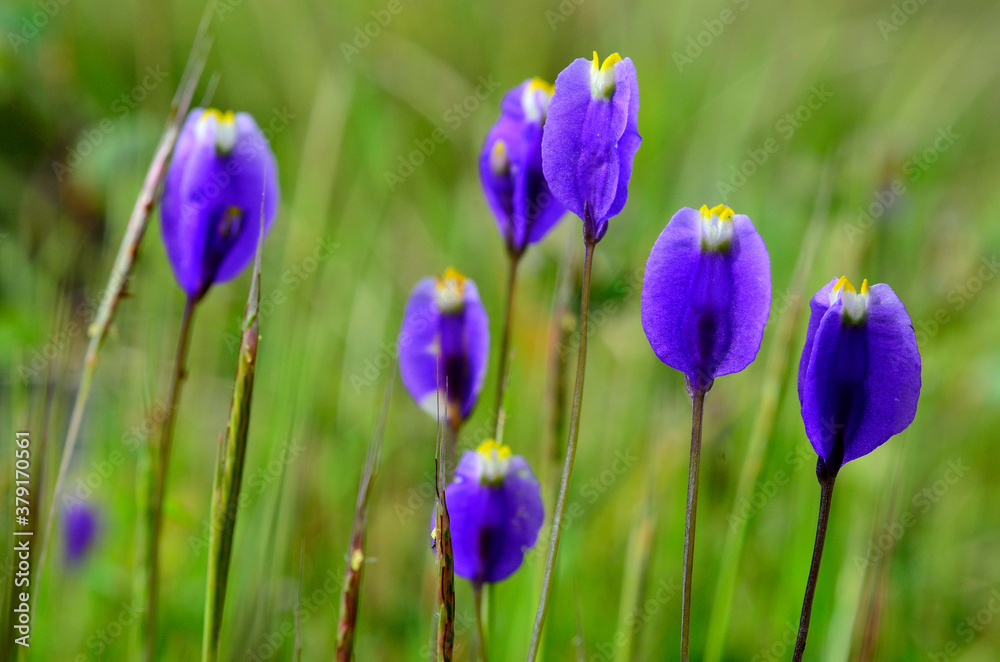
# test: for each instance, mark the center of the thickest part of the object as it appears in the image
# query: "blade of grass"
(229, 476)
(127, 252)
(776, 376)
(351, 591)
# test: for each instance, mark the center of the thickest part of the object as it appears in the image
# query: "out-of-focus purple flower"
(496, 510)
(444, 345)
(79, 531)
(859, 377)
(706, 294)
(591, 136)
(211, 201)
(510, 168)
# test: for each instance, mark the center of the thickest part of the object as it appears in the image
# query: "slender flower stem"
(160, 456)
(825, 497)
(691, 516)
(125, 259)
(504, 357)
(567, 474)
(477, 598)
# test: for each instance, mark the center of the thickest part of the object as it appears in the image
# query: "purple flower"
(444, 343)
(707, 294)
(79, 531)
(495, 507)
(510, 168)
(211, 200)
(591, 136)
(859, 377)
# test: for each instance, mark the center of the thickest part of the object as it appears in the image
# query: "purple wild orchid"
(496, 510)
(444, 346)
(706, 294)
(211, 205)
(79, 531)
(859, 377)
(591, 137)
(510, 168)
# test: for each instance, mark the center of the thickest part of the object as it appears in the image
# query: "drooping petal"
(861, 378)
(591, 138)
(630, 140)
(704, 310)
(495, 519)
(222, 170)
(444, 352)
(510, 168)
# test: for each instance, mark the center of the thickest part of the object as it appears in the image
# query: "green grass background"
(323, 356)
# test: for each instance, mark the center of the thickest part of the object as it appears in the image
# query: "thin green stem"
(505, 342)
(567, 474)
(691, 516)
(160, 457)
(477, 599)
(825, 498)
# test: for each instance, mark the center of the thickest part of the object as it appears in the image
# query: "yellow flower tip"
(602, 76)
(542, 84)
(358, 557)
(450, 290)
(723, 212)
(220, 116)
(490, 446)
(610, 61)
(844, 284)
(864, 286)
(451, 273)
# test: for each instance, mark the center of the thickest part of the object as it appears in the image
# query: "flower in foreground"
(221, 172)
(706, 294)
(496, 510)
(444, 346)
(591, 137)
(859, 382)
(510, 168)
(79, 531)
(859, 376)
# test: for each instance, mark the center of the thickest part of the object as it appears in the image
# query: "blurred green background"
(878, 119)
